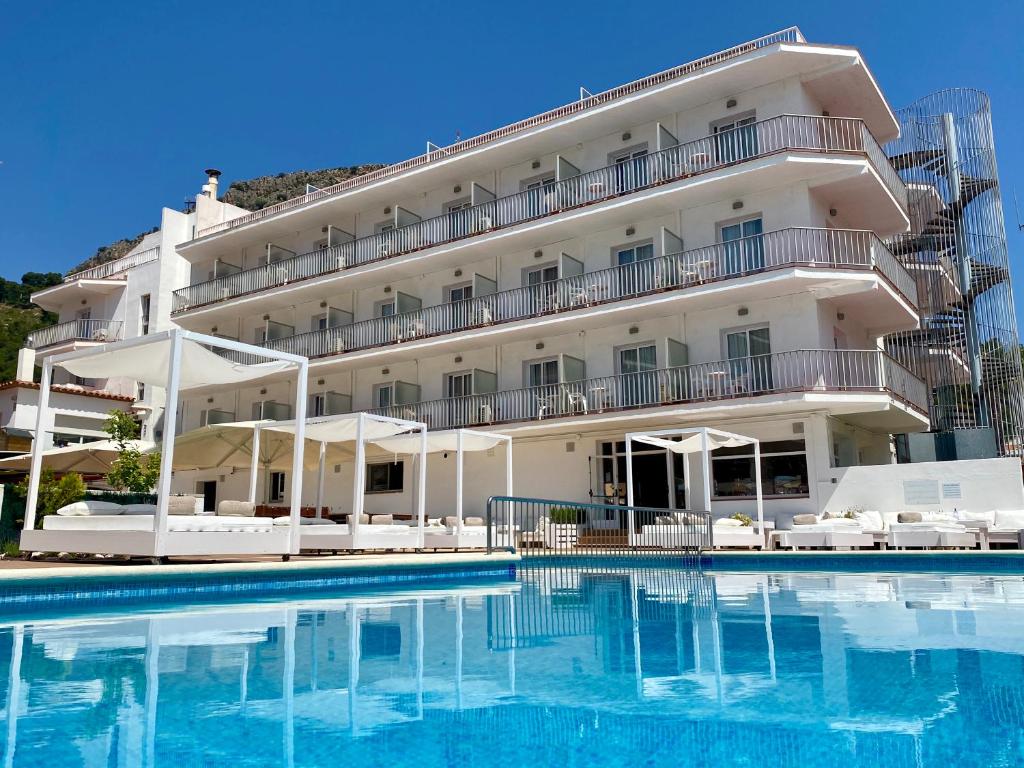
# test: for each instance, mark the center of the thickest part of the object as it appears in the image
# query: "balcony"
(71, 331)
(801, 371)
(786, 133)
(115, 268)
(815, 249)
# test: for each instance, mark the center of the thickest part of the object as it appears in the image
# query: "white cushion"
(87, 508)
(871, 519)
(1010, 518)
(229, 508)
(729, 522)
(968, 517)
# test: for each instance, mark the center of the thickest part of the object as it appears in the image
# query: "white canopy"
(693, 440)
(438, 442)
(344, 429)
(150, 363)
(694, 443)
(230, 445)
(90, 458)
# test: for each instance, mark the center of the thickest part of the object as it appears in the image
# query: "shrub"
(747, 520)
(10, 549)
(566, 515)
(54, 493)
(131, 470)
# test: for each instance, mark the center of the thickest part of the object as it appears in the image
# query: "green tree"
(54, 492)
(130, 470)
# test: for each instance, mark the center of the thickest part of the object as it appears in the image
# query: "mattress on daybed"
(175, 523)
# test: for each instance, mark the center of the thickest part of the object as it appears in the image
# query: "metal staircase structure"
(966, 349)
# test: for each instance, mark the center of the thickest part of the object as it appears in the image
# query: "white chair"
(574, 399)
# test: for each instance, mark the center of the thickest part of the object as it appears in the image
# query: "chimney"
(210, 187)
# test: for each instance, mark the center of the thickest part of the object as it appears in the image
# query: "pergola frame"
(704, 432)
(155, 543)
(359, 479)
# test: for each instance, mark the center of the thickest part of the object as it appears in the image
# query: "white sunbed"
(931, 533)
(369, 536)
(834, 533)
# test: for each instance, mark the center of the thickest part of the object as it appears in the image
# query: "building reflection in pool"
(595, 661)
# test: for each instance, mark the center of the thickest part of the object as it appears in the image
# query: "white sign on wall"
(920, 492)
(952, 491)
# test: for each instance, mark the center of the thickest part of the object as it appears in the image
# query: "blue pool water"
(560, 666)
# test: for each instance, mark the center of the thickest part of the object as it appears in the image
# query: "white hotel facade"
(703, 247)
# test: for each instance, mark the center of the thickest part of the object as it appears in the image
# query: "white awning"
(229, 446)
(89, 458)
(437, 442)
(693, 443)
(341, 429)
(148, 363)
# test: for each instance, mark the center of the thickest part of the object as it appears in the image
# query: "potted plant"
(563, 528)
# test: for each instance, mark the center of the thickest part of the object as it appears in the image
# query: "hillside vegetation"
(18, 318)
(254, 194)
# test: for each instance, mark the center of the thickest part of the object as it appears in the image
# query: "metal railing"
(726, 148)
(807, 370)
(115, 267)
(547, 527)
(788, 35)
(76, 330)
(787, 248)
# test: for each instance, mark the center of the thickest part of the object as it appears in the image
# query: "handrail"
(115, 267)
(788, 35)
(776, 134)
(780, 249)
(807, 370)
(75, 330)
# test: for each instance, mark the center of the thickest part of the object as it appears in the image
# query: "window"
(783, 470)
(142, 392)
(750, 362)
(630, 169)
(634, 253)
(458, 385)
(547, 274)
(735, 139)
(317, 404)
(276, 486)
(638, 359)
(458, 217)
(540, 196)
(144, 304)
(459, 293)
(636, 388)
(384, 478)
(386, 308)
(383, 395)
(542, 373)
(319, 322)
(743, 246)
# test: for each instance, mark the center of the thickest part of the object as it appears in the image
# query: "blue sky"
(112, 110)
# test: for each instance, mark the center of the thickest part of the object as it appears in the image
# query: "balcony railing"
(789, 35)
(787, 248)
(76, 330)
(780, 372)
(115, 267)
(768, 137)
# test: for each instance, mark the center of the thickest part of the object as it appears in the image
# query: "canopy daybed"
(455, 533)
(360, 532)
(685, 441)
(176, 360)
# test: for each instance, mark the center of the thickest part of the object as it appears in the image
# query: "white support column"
(630, 512)
(37, 446)
(254, 465)
(320, 481)
(460, 457)
(705, 469)
(358, 480)
(421, 490)
(167, 449)
(757, 482)
(508, 466)
(299, 451)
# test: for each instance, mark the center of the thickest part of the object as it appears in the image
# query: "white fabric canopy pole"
(508, 466)
(705, 457)
(459, 458)
(630, 513)
(358, 481)
(254, 467)
(167, 456)
(320, 481)
(37, 446)
(298, 456)
(421, 502)
(757, 482)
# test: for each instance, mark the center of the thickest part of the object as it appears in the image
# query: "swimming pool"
(582, 665)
